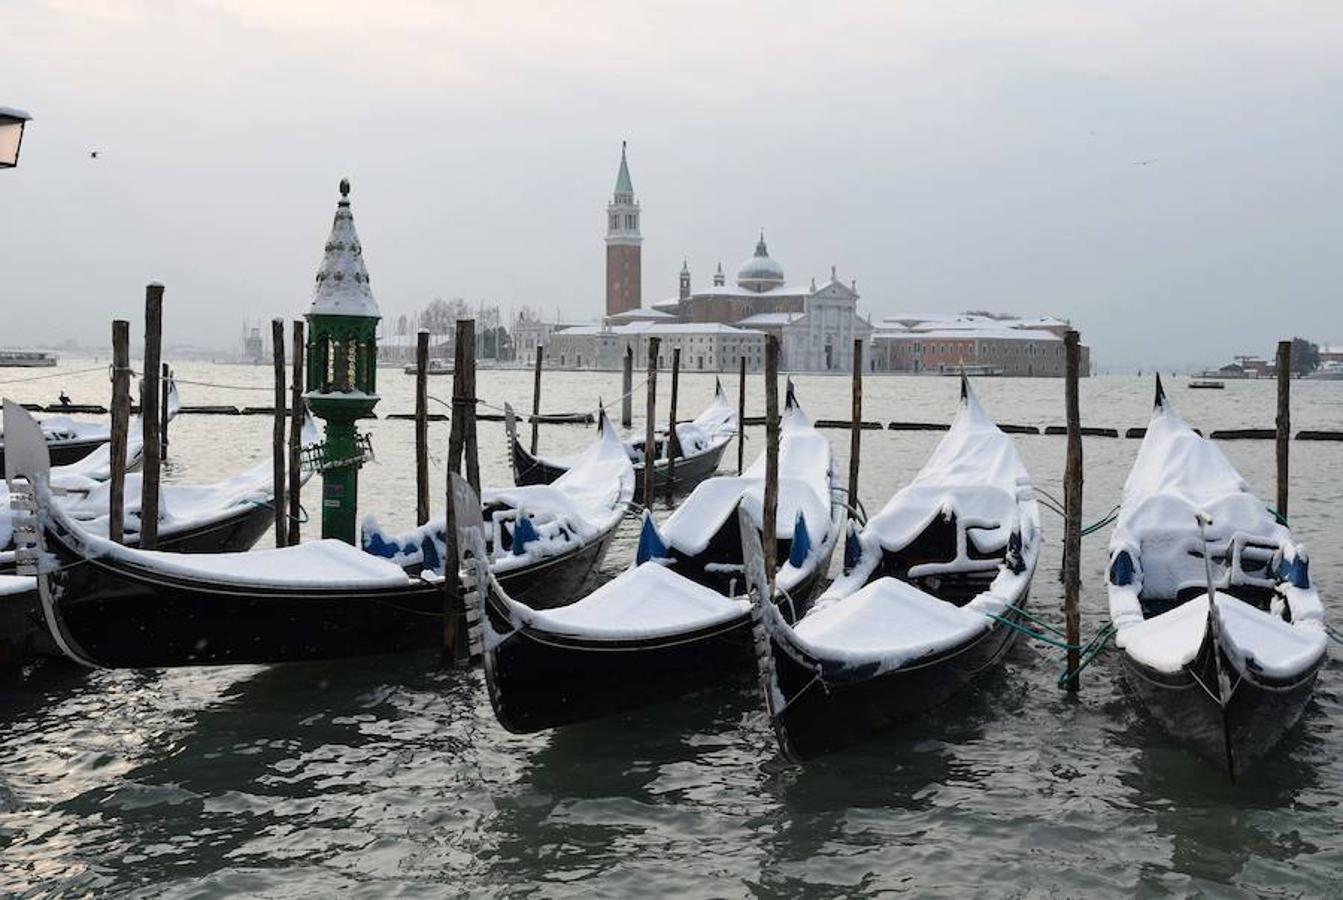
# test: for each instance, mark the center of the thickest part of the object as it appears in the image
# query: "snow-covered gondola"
(545, 542)
(1221, 630)
(701, 444)
(118, 607)
(920, 608)
(225, 516)
(679, 618)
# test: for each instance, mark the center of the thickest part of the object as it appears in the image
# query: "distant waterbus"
(27, 358)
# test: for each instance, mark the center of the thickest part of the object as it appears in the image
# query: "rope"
(227, 387)
(1333, 632)
(1107, 519)
(60, 374)
(1089, 653)
(1279, 517)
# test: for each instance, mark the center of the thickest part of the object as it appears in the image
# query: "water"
(390, 776)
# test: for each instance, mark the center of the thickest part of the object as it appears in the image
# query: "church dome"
(760, 272)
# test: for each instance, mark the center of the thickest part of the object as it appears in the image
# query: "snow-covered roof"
(986, 332)
(342, 281)
(760, 267)
(641, 313)
(771, 318)
(14, 113)
(658, 328)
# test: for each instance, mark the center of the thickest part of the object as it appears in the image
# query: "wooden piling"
(536, 398)
(856, 422)
(769, 516)
(149, 418)
(1284, 422)
(627, 390)
(741, 414)
(456, 649)
(422, 427)
(164, 385)
(121, 415)
(296, 410)
(1072, 503)
(673, 445)
(278, 450)
(650, 420)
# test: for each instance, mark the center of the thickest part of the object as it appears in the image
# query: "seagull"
(1145, 162)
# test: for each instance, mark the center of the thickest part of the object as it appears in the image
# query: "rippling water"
(391, 776)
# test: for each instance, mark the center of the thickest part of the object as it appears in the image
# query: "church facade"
(815, 325)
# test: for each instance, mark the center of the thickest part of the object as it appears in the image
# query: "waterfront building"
(984, 342)
(705, 347)
(815, 324)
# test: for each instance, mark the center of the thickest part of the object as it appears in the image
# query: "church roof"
(342, 281)
(760, 267)
(623, 183)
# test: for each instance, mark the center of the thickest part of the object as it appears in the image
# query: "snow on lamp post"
(11, 135)
(342, 369)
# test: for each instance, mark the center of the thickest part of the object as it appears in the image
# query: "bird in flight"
(93, 154)
(1145, 162)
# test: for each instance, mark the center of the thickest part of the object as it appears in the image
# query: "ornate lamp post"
(342, 369)
(11, 135)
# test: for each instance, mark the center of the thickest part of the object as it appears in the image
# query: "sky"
(1167, 175)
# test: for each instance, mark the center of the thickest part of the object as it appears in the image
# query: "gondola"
(82, 448)
(700, 443)
(678, 618)
(1222, 632)
(923, 605)
(545, 542)
(117, 607)
(227, 516)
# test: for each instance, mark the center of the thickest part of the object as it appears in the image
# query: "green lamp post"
(342, 369)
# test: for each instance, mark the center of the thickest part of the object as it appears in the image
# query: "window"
(615, 222)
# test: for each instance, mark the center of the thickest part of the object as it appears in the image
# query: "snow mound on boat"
(314, 566)
(16, 584)
(888, 622)
(806, 462)
(1251, 637)
(975, 473)
(647, 601)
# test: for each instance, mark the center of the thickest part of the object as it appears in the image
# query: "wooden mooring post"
(536, 398)
(121, 417)
(856, 423)
(673, 446)
(1072, 504)
(164, 392)
(461, 442)
(650, 420)
(769, 515)
(741, 414)
(627, 390)
(279, 452)
(149, 418)
(296, 410)
(422, 428)
(1284, 423)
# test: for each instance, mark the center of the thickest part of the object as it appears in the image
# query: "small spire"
(342, 286)
(345, 187)
(832, 273)
(760, 248)
(685, 266)
(623, 183)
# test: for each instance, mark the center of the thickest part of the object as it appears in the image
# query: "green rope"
(1022, 629)
(1104, 521)
(1282, 520)
(1089, 653)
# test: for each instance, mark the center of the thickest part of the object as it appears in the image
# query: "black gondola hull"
(687, 473)
(537, 682)
(561, 579)
(63, 453)
(842, 706)
(1258, 715)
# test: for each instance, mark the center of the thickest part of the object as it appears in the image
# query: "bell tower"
(624, 270)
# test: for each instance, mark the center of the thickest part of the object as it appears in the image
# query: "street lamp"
(11, 135)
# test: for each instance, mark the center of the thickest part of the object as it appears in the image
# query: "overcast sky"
(947, 155)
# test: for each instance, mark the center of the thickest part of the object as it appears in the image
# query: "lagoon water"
(390, 776)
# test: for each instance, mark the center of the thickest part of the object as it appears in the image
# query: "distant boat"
(1330, 371)
(1207, 385)
(436, 367)
(27, 359)
(975, 371)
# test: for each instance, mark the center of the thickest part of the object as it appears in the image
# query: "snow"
(975, 473)
(1170, 641)
(1177, 477)
(647, 601)
(342, 280)
(889, 622)
(805, 466)
(588, 499)
(11, 585)
(64, 428)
